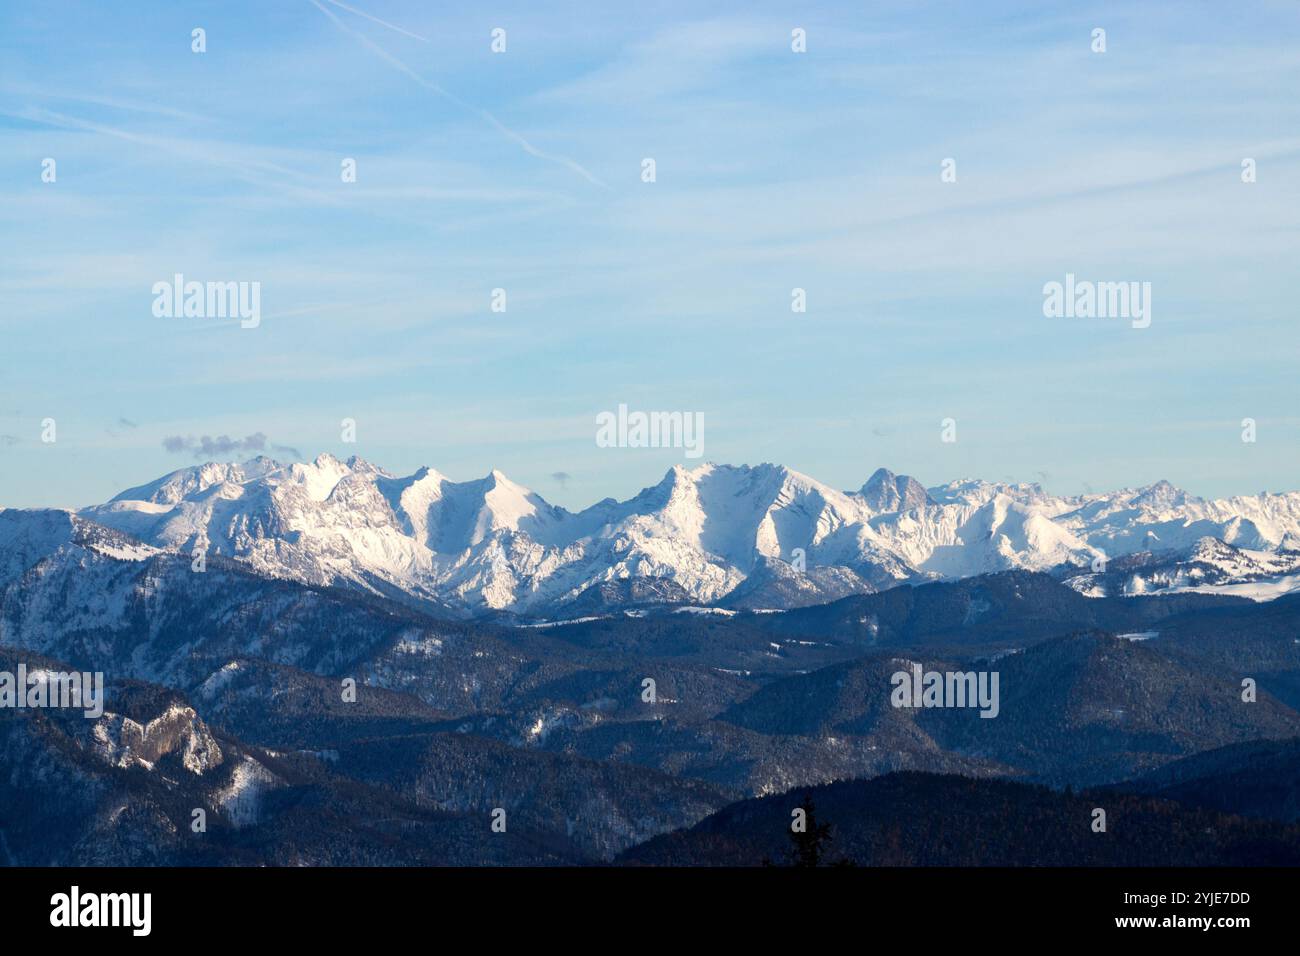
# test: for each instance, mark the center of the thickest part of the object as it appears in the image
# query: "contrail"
(382, 23)
(506, 131)
(250, 171)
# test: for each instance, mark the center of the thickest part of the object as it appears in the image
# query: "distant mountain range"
(224, 693)
(734, 537)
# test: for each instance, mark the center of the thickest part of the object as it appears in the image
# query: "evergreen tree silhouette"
(809, 847)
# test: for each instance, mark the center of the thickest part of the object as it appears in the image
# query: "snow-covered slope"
(490, 544)
(1210, 565)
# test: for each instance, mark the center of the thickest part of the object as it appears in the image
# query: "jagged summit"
(491, 543)
(1163, 495)
(885, 491)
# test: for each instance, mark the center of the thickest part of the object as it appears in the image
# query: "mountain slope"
(740, 536)
(1082, 709)
(915, 819)
(1256, 779)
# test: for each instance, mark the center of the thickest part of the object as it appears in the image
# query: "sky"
(522, 170)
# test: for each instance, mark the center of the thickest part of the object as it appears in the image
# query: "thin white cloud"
(374, 19)
(111, 102)
(496, 124)
(250, 170)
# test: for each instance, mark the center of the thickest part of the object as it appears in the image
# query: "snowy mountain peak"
(358, 464)
(1162, 496)
(491, 543)
(1210, 549)
(184, 482)
(319, 478)
(887, 492)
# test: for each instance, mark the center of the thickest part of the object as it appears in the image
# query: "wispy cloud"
(207, 446)
(109, 102)
(680, 58)
(246, 166)
(487, 117)
(374, 19)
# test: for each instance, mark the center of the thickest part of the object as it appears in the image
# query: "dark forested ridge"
(1260, 779)
(915, 819)
(594, 738)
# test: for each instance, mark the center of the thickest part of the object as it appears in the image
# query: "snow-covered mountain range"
(732, 536)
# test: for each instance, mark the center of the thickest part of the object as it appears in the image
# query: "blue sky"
(775, 170)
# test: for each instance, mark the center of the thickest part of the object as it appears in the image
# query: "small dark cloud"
(562, 477)
(8, 440)
(881, 432)
(222, 445)
(127, 423)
